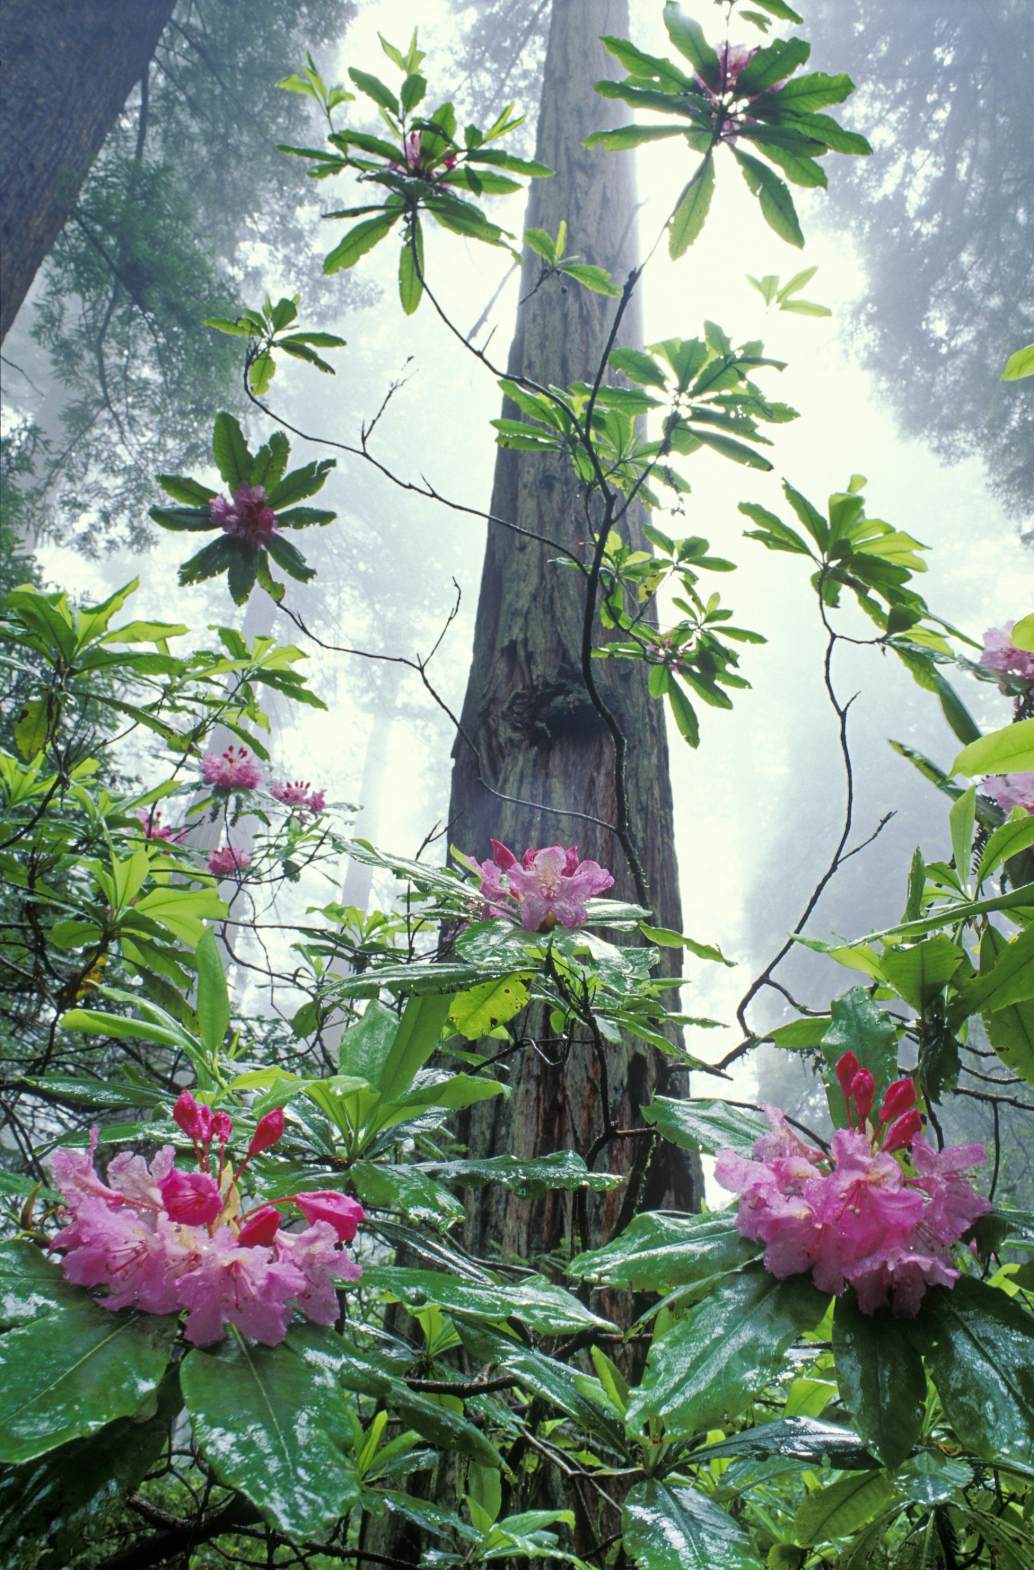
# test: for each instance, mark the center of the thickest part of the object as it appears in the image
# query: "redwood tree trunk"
(70, 66)
(526, 706)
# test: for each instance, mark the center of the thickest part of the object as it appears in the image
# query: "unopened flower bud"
(897, 1098)
(194, 1118)
(222, 1126)
(863, 1090)
(260, 1228)
(343, 1213)
(191, 1198)
(846, 1069)
(903, 1131)
(269, 1131)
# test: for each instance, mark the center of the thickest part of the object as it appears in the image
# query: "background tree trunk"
(526, 705)
(71, 67)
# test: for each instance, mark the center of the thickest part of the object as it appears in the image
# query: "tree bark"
(526, 706)
(70, 66)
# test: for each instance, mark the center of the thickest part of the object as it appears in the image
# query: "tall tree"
(74, 64)
(538, 736)
(945, 224)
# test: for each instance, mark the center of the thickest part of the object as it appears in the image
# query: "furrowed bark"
(527, 708)
(70, 66)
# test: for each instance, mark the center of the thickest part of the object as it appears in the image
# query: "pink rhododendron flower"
(858, 1216)
(246, 1287)
(226, 860)
(160, 1239)
(1001, 654)
(234, 769)
(247, 516)
(299, 793)
(544, 888)
(152, 827)
(1011, 790)
(343, 1214)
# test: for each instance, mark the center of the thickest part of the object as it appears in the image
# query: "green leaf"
(706, 1125)
(374, 88)
(358, 240)
(415, 1195)
(1010, 1029)
(982, 1366)
(881, 1379)
(737, 451)
(213, 1000)
(1019, 364)
(1016, 834)
(688, 37)
(816, 90)
(724, 1351)
(591, 277)
(669, 1528)
(774, 196)
(932, 1479)
(528, 1178)
(70, 1373)
(1006, 751)
(678, 940)
(684, 714)
(300, 483)
(480, 1010)
(535, 1301)
(411, 267)
(230, 451)
(31, 1285)
(32, 726)
(1009, 979)
(190, 492)
(918, 971)
(419, 1031)
(290, 558)
(625, 136)
(639, 366)
(839, 1509)
(261, 372)
(658, 1251)
(272, 1426)
(859, 1026)
(772, 64)
(691, 210)
(183, 519)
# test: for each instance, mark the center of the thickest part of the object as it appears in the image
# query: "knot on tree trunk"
(553, 710)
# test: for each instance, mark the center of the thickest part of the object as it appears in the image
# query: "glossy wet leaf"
(932, 1479)
(657, 1251)
(796, 1438)
(31, 1285)
(273, 1427)
(982, 1362)
(839, 1509)
(70, 1373)
(677, 1528)
(881, 1379)
(706, 1125)
(528, 1179)
(535, 1302)
(724, 1351)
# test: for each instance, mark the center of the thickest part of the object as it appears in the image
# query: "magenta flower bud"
(897, 1098)
(191, 1198)
(260, 1228)
(863, 1091)
(194, 1118)
(903, 1131)
(222, 1126)
(343, 1213)
(846, 1069)
(269, 1131)
(503, 858)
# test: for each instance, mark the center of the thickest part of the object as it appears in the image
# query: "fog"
(759, 806)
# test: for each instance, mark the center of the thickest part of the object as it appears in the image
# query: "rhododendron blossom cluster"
(1001, 654)
(247, 516)
(544, 888)
(225, 860)
(300, 794)
(859, 1216)
(1011, 790)
(234, 769)
(161, 1239)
